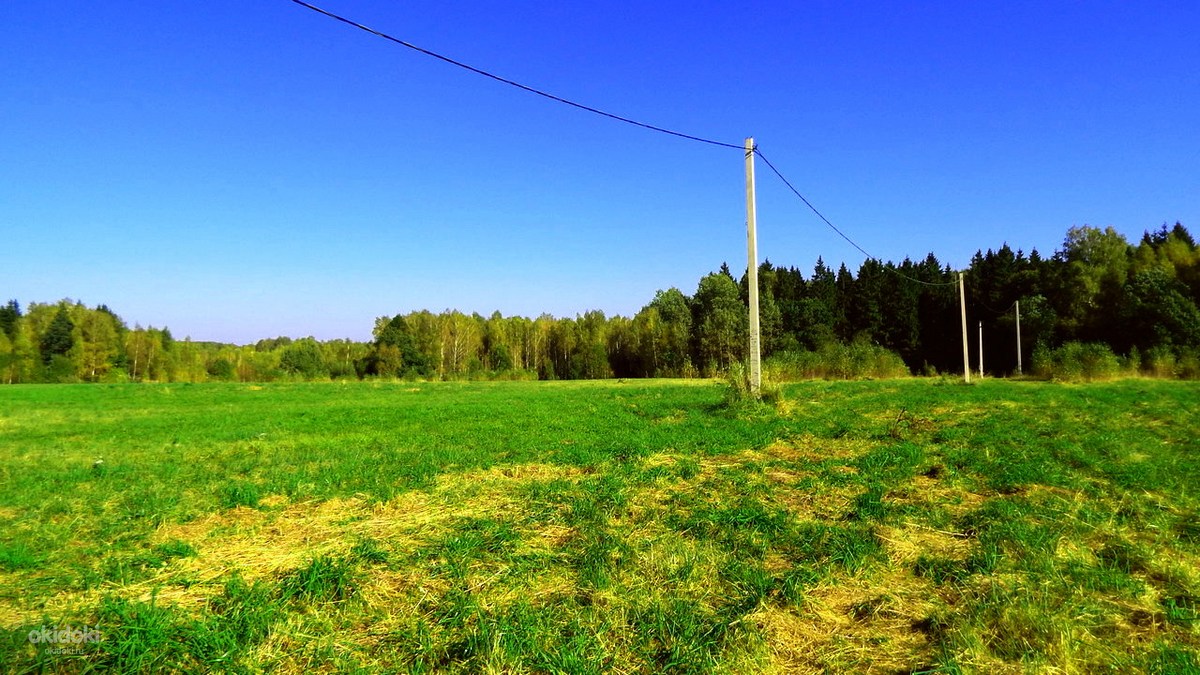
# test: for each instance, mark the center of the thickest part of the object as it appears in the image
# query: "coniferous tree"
(866, 312)
(845, 299)
(817, 316)
(900, 306)
(9, 315)
(58, 338)
(938, 308)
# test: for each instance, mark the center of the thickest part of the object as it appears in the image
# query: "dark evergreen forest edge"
(1099, 307)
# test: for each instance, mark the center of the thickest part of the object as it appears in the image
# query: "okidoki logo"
(66, 635)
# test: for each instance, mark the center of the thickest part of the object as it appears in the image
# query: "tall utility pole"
(962, 303)
(752, 272)
(981, 350)
(1018, 304)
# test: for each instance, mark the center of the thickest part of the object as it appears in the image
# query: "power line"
(841, 234)
(993, 311)
(518, 85)
(619, 118)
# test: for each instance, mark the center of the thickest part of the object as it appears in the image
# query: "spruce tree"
(58, 338)
(9, 314)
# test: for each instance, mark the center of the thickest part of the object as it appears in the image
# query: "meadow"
(895, 526)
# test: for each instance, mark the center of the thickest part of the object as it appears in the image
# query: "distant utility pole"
(1018, 304)
(752, 272)
(981, 350)
(962, 303)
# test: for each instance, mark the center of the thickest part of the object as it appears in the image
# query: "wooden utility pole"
(962, 303)
(981, 350)
(1018, 304)
(752, 272)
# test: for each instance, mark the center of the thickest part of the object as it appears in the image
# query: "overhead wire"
(843, 235)
(619, 118)
(518, 85)
(994, 311)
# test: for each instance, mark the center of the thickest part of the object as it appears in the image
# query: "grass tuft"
(238, 494)
(325, 578)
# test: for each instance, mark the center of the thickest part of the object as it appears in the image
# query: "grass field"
(887, 527)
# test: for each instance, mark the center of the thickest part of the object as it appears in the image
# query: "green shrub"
(1075, 361)
(221, 369)
(836, 361)
(1099, 363)
(1189, 363)
(1159, 362)
(1131, 364)
(60, 369)
(304, 359)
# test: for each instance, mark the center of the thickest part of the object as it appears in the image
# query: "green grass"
(895, 526)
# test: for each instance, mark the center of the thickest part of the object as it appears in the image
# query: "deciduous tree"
(720, 320)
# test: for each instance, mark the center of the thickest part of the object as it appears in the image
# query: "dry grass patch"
(787, 477)
(930, 493)
(824, 503)
(906, 544)
(869, 623)
(400, 591)
(262, 544)
(809, 448)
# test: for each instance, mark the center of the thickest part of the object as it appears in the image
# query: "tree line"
(1138, 301)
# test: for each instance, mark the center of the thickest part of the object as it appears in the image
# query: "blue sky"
(237, 170)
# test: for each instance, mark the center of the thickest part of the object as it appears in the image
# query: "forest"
(1098, 300)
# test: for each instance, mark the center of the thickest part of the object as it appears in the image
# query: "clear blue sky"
(237, 170)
